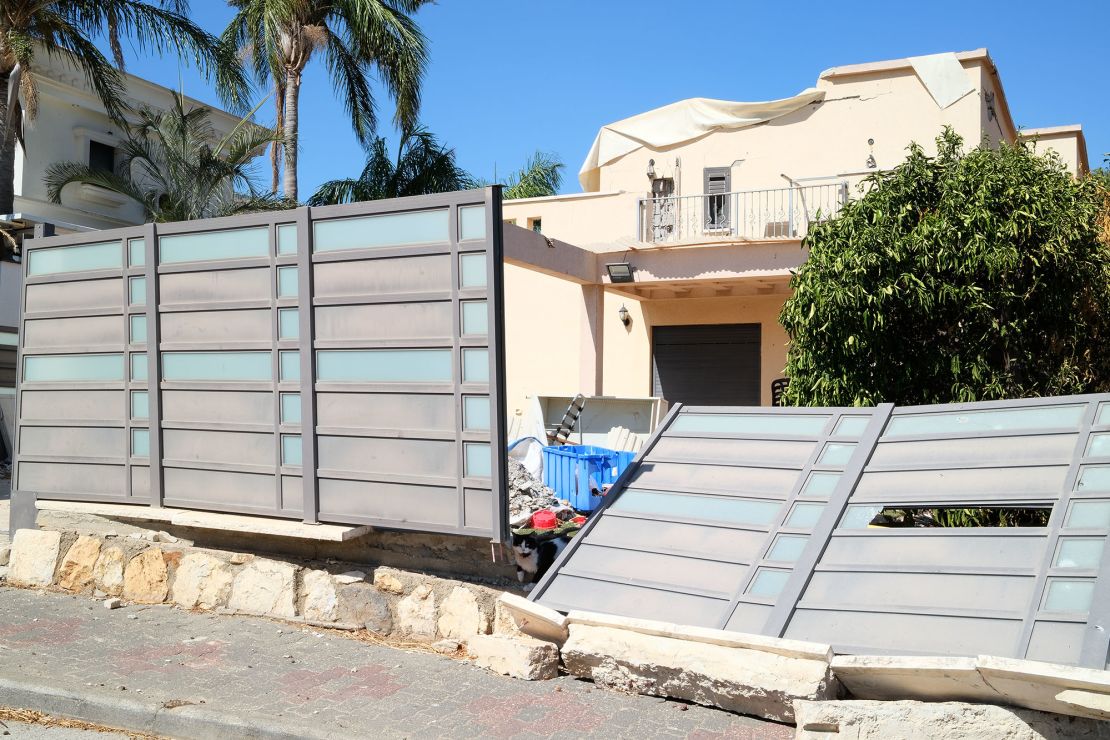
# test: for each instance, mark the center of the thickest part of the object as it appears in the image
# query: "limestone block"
(911, 720)
(503, 622)
(76, 572)
(520, 657)
(361, 603)
(145, 579)
(387, 581)
(5, 554)
(461, 616)
(33, 558)
(321, 601)
(266, 587)
(416, 613)
(108, 571)
(351, 576)
(731, 678)
(201, 582)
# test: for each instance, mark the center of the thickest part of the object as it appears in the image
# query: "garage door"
(715, 365)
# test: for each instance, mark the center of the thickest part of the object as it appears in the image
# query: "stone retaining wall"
(155, 568)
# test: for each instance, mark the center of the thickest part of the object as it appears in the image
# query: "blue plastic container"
(577, 472)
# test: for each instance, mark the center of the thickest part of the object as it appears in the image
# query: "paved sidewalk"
(183, 673)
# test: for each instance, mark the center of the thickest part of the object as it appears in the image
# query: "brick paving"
(299, 680)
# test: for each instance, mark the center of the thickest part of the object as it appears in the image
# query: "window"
(102, 157)
(718, 182)
(536, 225)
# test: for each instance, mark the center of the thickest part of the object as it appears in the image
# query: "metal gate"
(339, 364)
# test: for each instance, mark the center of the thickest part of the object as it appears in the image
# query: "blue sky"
(509, 77)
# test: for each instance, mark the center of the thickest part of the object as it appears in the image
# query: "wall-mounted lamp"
(619, 272)
(622, 313)
(651, 169)
(871, 163)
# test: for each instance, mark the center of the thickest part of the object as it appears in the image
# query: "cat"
(535, 556)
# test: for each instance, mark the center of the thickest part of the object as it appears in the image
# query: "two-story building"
(691, 220)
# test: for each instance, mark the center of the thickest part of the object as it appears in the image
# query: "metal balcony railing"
(781, 213)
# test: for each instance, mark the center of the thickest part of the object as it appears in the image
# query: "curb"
(191, 722)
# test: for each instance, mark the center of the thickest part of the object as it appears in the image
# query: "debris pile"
(528, 495)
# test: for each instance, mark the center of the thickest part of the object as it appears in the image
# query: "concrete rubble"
(520, 657)
(527, 495)
(912, 720)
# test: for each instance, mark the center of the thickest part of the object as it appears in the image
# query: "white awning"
(681, 122)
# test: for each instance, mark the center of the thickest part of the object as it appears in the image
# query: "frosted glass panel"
(290, 449)
(858, 517)
(476, 413)
(820, 485)
(287, 239)
(384, 365)
(290, 365)
(216, 366)
(214, 245)
(387, 230)
(712, 508)
(136, 291)
(475, 318)
(472, 222)
(787, 548)
(140, 442)
(1079, 553)
(9, 339)
(851, 426)
(288, 323)
(809, 426)
(100, 256)
(1069, 596)
(1103, 414)
(290, 408)
(138, 329)
(472, 270)
(768, 582)
(1089, 515)
(837, 454)
(475, 365)
(1047, 417)
(287, 282)
(1094, 478)
(139, 366)
(1100, 445)
(804, 516)
(478, 463)
(54, 368)
(140, 405)
(136, 252)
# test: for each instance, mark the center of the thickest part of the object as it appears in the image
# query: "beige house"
(704, 203)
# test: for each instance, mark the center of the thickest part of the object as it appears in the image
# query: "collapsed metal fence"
(765, 521)
(339, 364)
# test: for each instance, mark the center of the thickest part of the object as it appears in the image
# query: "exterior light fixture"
(619, 272)
(623, 315)
(871, 164)
(651, 169)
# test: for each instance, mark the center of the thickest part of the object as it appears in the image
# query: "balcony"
(750, 215)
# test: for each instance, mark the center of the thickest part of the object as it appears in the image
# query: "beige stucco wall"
(627, 355)
(1066, 144)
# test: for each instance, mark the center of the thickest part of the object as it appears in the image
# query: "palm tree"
(355, 38)
(173, 166)
(65, 29)
(541, 175)
(422, 166)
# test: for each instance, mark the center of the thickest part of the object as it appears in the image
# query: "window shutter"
(718, 181)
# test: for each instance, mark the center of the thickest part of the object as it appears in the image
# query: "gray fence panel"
(757, 520)
(340, 364)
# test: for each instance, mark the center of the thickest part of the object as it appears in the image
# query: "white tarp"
(678, 123)
(943, 76)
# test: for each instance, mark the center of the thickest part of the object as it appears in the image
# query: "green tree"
(65, 29)
(175, 167)
(962, 277)
(541, 175)
(355, 37)
(423, 165)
